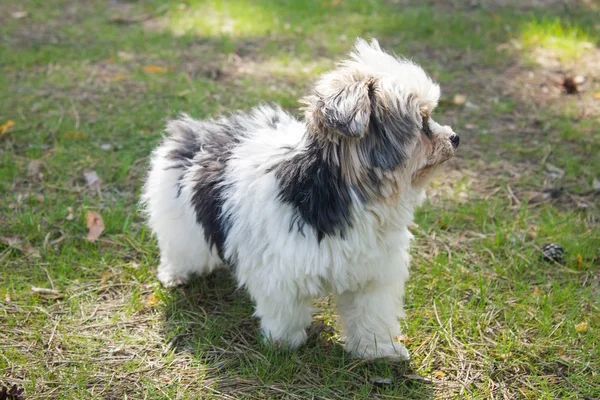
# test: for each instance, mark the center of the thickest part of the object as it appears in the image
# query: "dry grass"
(487, 317)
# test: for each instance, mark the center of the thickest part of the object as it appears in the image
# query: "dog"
(299, 209)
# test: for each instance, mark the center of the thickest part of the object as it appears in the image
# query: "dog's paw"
(171, 280)
(291, 341)
(394, 351)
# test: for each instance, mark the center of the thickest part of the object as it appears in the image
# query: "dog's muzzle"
(455, 140)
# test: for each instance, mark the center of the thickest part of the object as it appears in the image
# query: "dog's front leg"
(284, 317)
(370, 321)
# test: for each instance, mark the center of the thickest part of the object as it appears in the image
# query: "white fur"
(284, 269)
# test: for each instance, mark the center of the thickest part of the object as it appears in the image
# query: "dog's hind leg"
(184, 250)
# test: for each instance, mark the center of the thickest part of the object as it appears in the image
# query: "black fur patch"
(386, 141)
(208, 144)
(317, 191)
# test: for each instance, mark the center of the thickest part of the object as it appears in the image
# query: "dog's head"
(372, 115)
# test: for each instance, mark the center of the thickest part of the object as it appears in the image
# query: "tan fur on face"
(366, 117)
(438, 150)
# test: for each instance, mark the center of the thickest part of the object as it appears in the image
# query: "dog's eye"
(426, 128)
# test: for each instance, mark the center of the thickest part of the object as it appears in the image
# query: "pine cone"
(553, 252)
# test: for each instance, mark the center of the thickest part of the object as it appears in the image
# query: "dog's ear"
(340, 105)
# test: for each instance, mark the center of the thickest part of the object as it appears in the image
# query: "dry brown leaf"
(151, 300)
(154, 69)
(439, 374)
(18, 244)
(95, 224)
(13, 242)
(581, 327)
(6, 126)
(29, 250)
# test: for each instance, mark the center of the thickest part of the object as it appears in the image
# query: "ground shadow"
(211, 320)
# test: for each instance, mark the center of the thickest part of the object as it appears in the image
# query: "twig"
(40, 290)
(52, 334)
(50, 279)
(512, 195)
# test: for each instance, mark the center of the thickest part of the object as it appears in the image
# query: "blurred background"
(503, 301)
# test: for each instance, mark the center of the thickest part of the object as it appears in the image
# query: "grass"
(565, 40)
(88, 89)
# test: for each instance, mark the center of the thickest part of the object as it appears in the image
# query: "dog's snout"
(455, 140)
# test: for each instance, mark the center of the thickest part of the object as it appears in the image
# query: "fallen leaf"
(95, 225)
(439, 374)
(7, 298)
(29, 250)
(18, 244)
(154, 69)
(70, 217)
(402, 339)
(6, 126)
(581, 327)
(19, 14)
(13, 242)
(92, 179)
(579, 260)
(151, 300)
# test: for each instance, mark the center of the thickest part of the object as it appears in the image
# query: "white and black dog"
(301, 209)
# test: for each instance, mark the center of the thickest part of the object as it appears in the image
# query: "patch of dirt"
(552, 83)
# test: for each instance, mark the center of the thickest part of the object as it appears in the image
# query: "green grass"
(566, 40)
(487, 317)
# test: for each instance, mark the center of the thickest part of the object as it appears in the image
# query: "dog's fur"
(300, 209)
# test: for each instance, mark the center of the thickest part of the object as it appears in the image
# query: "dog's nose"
(455, 140)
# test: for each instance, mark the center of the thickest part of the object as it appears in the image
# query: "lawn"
(85, 89)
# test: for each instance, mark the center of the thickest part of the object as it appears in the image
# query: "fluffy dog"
(300, 209)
